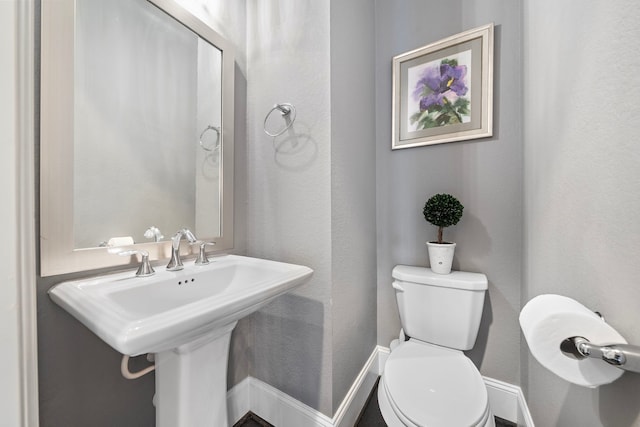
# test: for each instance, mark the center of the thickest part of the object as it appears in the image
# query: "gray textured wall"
(353, 191)
(582, 188)
(312, 193)
(289, 192)
(79, 375)
(484, 174)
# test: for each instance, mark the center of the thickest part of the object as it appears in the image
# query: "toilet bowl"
(424, 385)
(427, 381)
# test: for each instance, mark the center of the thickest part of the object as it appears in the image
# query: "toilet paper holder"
(623, 356)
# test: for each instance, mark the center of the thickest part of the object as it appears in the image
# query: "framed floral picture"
(443, 92)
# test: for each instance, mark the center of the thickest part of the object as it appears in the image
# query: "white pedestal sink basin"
(186, 317)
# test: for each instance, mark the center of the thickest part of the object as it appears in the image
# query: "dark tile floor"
(252, 420)
(369, 417)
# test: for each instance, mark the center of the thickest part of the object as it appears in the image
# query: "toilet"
(427, 380)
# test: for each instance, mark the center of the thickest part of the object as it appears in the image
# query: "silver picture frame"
(443, 92)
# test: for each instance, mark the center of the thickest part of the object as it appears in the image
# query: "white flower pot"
(441, 256)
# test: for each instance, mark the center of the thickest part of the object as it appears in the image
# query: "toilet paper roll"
(547, 320)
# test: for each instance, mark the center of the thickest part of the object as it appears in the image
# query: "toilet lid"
(435, 386)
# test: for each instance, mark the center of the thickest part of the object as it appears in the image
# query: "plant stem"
(440, 234)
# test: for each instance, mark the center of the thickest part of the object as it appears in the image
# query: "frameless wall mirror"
(136, 132)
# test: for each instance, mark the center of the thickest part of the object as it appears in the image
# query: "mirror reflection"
(147, 126)
(136, 132)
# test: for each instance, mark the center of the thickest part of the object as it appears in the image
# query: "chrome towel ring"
(287, 111)
(216, 144)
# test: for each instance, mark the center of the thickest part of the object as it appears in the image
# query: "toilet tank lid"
(456, 279)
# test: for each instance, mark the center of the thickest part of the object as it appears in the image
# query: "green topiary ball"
(442, 210)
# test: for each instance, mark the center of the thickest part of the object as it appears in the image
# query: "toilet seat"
(428, 385)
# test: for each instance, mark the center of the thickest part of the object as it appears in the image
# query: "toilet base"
(393, 419)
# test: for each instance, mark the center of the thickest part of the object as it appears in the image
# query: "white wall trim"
(280, 409)
(26, 211)
(239, 400)
(383, 355)
(524, 416)
(503, 398)
(347, 413)
(507, 401)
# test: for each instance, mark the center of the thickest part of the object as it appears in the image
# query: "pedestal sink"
(186, 318)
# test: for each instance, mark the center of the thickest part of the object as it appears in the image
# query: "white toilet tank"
(442, 309)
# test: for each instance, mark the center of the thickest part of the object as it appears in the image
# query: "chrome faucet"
(175, 263)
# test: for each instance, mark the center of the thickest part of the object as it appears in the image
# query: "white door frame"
(18, 313)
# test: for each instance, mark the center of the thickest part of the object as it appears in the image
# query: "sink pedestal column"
(191, 382)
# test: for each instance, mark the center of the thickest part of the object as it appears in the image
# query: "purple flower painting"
(443, 91)
(441, 95)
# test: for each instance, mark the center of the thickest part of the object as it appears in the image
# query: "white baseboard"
(507, 402)
(347, 413)
(524, 416)
(239, 400)
(281, 410)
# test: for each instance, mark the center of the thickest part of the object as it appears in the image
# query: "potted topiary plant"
(442, 210)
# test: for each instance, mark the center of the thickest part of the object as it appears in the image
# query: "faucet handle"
(202, 255)
(145, 268)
